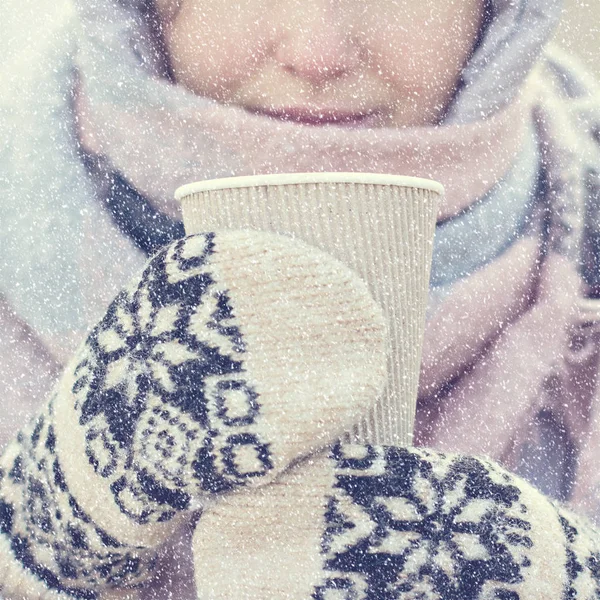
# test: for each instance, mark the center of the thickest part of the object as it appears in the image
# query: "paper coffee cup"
(382, 226)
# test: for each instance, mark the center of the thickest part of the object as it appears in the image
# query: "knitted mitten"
(387, 523)
(233, 354)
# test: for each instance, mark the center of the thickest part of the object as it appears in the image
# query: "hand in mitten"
(232, 355)
(387, 523)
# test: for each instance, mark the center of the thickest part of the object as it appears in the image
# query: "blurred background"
(580, 31)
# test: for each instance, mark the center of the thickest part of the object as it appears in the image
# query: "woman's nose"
(316, 43)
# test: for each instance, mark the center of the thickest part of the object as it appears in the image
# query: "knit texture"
(230, 356)
(383, 523)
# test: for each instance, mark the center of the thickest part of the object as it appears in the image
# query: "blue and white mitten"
(230, 356)
(387, 523)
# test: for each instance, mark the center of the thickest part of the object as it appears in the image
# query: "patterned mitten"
(232, 355)
(387, 523)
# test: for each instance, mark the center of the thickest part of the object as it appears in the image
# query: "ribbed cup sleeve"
(384, 232)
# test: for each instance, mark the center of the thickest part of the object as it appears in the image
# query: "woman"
(114, 104)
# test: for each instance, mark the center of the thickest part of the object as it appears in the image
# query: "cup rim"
(301, 178)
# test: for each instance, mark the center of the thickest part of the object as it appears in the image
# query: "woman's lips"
(321, 117)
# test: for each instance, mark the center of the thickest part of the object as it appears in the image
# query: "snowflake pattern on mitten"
(396, 523)
(202, 377)
(52, 537)
(166, 409)
(412, 523)
(163, 374)
(444, 528)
